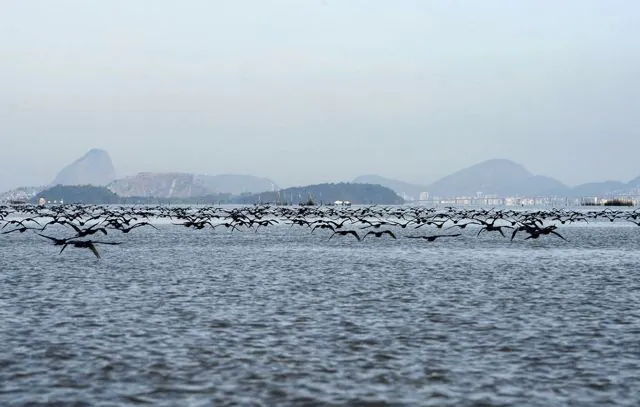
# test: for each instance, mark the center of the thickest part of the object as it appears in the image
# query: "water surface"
(286, 317)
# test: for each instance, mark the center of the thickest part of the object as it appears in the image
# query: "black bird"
(88, 231)
(462, 225)
(21, 229)
(634, 222)
(87, 244)
(323, 226)
(543, 231)
(300, 222)
(136, 225)
(344, 233)
(490, 227)
(379, 234)
(56, 241)
(434, 237)
(17, 222)
(226, 225)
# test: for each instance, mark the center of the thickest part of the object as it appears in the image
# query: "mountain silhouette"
(235, 184)
(93, 168)
(186, 185)
(500, 177)
(599, 188)
(356, 193)
(404, 189)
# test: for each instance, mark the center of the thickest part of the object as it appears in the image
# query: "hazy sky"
(306, 91)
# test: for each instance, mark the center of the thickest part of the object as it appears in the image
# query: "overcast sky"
(306, 91)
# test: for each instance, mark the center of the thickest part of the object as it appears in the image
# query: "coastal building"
(407, 197)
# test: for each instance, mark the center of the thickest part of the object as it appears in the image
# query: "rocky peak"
(93, 168)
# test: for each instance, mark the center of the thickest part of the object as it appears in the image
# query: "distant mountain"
(405, 190)
(158, 184)
(186, 185)
(93, 168)
(78, 194)
(634, 184)
(498, 176)
(22, 193)
(235, 184)
(599, 188)
(327, 193)
(92, 195)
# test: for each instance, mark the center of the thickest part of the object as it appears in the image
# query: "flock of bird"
(360, 223)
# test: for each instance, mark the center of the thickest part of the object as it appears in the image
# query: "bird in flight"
(87, 244)
(434, 237)
(56, 241)
(344, 233)
(379, 234)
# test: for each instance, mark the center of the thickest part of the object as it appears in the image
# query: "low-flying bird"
(323, 226)
(634, 222)
(490, 227)
(21, 229)
(379, 234)
(543, 231)
(12, 222)
(434, 237)
(227, 225)
(135, 225)
(463, 225)
(87, 244)
(55, 240)
(88, 231)
(344, 233)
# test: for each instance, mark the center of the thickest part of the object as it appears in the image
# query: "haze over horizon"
(309, 91)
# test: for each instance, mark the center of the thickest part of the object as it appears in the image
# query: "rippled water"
(285, 317)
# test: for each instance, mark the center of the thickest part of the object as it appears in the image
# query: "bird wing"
(560, 236)
(35, 221)
(92, 247)
(48, 237)
(77, 229)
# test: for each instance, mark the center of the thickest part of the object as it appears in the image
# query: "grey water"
(284, 317)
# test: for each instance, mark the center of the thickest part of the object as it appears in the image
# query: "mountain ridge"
(328, 193)
(499, 177)
(504, 177)
(185, 185)
(357, 193)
